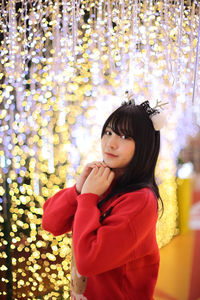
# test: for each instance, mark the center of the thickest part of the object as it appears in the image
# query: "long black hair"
(133, 121)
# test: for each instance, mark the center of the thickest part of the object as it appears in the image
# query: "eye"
(108, 132)
(124, 137)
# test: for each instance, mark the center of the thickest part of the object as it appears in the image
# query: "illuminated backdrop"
(65, 65)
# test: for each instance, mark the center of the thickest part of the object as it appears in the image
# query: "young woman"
(112, 211)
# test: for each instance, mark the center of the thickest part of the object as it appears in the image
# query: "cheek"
(102, 143)
(131, 151)
(104, 140)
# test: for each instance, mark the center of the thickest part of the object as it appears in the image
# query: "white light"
(186, 170)
(2, 161)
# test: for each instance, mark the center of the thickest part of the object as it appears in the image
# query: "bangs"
(121, 122)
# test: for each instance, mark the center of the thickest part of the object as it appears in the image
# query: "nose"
(113, 142)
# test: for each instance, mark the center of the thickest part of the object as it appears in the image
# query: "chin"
(109, 165)
(112, 166)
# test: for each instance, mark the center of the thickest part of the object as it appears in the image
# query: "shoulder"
(143, 200)
(143, 195)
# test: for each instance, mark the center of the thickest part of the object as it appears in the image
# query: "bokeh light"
(65, 65)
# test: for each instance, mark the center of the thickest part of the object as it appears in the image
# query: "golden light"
(65, 66)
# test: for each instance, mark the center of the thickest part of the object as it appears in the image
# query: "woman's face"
(117, 150)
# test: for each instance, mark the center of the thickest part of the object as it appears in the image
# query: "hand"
(86, 171)
(98, 181)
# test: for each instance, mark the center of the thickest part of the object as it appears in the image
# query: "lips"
(110, 154)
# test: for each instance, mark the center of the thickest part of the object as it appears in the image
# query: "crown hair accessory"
(157, 117)
(159, 104)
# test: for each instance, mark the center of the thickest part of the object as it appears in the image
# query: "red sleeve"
(120, 238)
(59, 210)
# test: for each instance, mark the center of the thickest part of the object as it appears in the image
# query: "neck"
(118, 173)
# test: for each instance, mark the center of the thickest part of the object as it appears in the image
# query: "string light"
(65, 67)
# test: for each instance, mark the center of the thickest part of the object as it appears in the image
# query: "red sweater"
(118, 258)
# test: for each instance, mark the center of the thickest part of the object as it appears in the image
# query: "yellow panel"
(175, 268)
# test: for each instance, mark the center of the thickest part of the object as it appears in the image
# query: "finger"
(95, 163)
(103, 164)
(92, 164)
(94, 170)
(88, 168)
(111, 176)
(98, 164)
(101, 171)
(106, 172)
